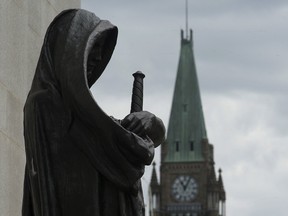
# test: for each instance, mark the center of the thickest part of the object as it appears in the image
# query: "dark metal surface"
(79, 161)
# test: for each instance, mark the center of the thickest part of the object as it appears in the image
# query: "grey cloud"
(240, 52)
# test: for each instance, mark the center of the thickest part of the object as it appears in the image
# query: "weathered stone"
(22, 28)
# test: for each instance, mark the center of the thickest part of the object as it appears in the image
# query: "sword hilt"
(137, 92)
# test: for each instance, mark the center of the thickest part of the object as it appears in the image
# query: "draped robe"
(79, 161)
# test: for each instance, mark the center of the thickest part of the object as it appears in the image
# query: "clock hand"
(187, 184)
(183, 185)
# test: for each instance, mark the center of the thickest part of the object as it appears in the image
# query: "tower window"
(191, 145)
(177, 146)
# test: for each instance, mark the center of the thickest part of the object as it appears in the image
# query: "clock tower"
(188, 183)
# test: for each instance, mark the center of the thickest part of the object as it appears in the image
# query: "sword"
(137, 92)
(137, 106)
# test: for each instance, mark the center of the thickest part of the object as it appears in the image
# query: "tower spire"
(186, 133)
(188, 181)
(154, 180)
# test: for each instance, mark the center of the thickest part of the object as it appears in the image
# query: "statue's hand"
(145, 123)
(139, 123)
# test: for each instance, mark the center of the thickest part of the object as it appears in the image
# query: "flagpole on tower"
(186, 19)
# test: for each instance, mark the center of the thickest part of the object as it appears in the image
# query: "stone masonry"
(22, 28)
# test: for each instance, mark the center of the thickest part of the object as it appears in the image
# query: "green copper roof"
(186, 128)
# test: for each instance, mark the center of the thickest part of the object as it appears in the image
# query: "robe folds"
(79, 161)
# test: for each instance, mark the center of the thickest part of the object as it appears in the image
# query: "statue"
(80, 161)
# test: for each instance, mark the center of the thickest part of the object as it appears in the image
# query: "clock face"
(184, 188)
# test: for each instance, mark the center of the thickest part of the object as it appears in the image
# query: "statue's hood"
(77, 47)
(76, 50)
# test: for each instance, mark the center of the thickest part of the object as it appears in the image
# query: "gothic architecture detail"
(188, 183)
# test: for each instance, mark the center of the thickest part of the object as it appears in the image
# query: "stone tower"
(22, 28)
(188, 184)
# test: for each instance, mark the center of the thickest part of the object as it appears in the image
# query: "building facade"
(22, 28)
(188, 183)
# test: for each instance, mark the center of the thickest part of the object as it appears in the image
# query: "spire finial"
(154, 181)
(186, 19)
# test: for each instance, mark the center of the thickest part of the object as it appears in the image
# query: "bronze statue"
(80, 161)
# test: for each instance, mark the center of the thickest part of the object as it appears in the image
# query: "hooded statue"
(80, 161)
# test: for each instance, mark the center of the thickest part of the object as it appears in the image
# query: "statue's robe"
(79, 161)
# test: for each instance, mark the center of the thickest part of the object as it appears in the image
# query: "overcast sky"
(240, 49)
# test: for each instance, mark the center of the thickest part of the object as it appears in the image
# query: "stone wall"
(23, 24)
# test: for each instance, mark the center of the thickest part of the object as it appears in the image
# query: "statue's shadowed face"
(95, 57)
